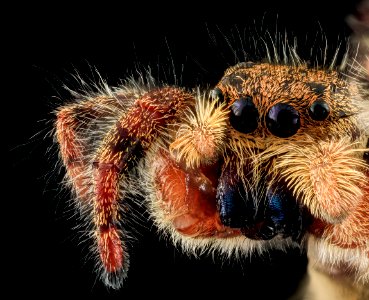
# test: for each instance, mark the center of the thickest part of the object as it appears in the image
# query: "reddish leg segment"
(71, 148)
(72, 125)
(119, 152)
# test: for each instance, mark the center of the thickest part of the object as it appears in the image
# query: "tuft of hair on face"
(200, 136)
(326, 176)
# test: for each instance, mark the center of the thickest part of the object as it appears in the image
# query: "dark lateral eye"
(244, 115)
(283, 120)
(217, 94)
(319, 110)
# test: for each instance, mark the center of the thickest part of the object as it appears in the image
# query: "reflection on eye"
(244, 115)
(283, 120)
(319, 110)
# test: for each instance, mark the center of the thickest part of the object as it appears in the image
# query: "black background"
(43, 46)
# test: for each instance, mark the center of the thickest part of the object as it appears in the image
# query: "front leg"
(72, 130)
(119, 153)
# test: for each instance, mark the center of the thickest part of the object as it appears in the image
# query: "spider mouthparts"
(260, 215)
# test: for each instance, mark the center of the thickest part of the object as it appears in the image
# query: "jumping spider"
(276, 154)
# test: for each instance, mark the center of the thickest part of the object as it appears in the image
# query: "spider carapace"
(275, 155)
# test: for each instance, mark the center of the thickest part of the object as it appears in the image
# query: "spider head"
(271, 150)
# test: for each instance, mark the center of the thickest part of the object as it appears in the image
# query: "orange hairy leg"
(119, 152)
(71, 123)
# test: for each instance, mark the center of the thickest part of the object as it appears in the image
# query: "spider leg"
(119, 152)
(73, 126)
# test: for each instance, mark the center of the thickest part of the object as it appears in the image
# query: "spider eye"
(244, 115)
(217, 94)
(319, 110)
(283, 120)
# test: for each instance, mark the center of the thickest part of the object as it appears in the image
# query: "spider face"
(240, 187)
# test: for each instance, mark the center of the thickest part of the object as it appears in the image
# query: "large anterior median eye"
(244, 115)
(283, 120)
